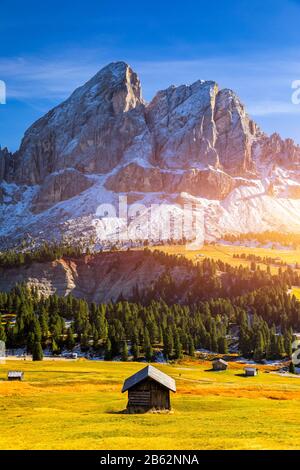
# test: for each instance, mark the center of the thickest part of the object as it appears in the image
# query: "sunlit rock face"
(208, 183)
(195, 140)
(92, 130)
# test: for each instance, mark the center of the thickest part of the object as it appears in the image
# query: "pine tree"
(292, 368)
(125, 352)
(135, 351)
(288, 344)
(280, 346)
(222, 345)
(84, 342)
(147, 346)
(168, 344)
(30, 342)
(95, 338)
(177, 346)
(70, 341)
(54, 347)
(191, 347)
(259, 349)
(2, 331)
(37, 353)
(108, 350)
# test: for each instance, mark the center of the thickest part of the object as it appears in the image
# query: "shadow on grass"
(113, 412)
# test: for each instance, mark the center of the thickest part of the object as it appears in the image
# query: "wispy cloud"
(35, 78)
(263, 83)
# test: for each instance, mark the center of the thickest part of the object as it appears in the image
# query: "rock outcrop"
(59, 187)
(208, 183)
(5, 163)
(276, 151)
(99, 278)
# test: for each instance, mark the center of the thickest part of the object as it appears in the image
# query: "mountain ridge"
(190, 141)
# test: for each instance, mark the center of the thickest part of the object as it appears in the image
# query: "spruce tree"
(177, 346)
(280, 346)
(108, 350)
(55, 348)
(37, 353)
(168, 344)
(147, 346)
(259, 349)
(292, 368)
(135, 350)
(2, 331)
(222, 345)
(191, 347)
(70, 341)
(124, 352)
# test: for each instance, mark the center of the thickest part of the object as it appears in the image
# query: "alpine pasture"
(66, 404)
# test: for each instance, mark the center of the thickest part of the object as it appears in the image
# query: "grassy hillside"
(226, 253)
(76, 405)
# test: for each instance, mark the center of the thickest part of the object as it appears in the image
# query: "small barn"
(219, 364)
(149, 389)
(15, 375)
(251, 371)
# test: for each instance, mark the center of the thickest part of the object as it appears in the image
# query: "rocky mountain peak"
(89, 130)
(121, 83)
(196, 140)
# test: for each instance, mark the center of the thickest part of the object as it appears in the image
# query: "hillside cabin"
(14, 375)
(149, 389)
(219, 364)
(251, 371)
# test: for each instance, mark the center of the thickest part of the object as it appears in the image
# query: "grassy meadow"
(226, 252)
(76, 405)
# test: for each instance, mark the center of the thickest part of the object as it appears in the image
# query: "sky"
(47, 49)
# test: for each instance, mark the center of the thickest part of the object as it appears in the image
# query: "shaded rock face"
(59, 187)
(5, 162)
(274, 150)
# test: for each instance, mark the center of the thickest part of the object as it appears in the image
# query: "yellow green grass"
(226, 252)
(296, 292)
(76, 405)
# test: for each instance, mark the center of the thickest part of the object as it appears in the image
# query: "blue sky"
(48, 49)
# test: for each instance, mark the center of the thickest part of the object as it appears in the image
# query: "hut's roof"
(15, 373)
(154, 374)
(221, 361)
(250, 369)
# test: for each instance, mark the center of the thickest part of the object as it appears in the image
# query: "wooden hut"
(149, 389)
(15, 375)
(219, 364)
(251, 371)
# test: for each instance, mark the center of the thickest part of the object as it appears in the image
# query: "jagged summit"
(86, 130)
(195, 140)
